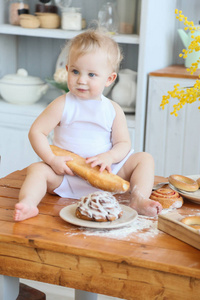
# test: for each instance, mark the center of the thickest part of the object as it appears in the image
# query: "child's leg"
(139, 170)
(40, 178)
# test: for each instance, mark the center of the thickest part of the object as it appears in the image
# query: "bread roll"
(102, 180)
(198, 182)
(183, 183)
(192, 221)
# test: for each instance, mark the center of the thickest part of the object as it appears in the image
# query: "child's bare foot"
(144, 206)
(24, 211)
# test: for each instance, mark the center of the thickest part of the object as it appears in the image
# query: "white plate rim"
(68, 214)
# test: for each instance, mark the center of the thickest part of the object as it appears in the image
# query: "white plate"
(192, 196)
(68, 214)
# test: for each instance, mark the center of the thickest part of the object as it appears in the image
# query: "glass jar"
(127, 13)
(108, 17)
(46, 6)
(63, 4)
(71, 18)
(17, 7)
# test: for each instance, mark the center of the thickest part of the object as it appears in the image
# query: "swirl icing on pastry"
(99, 207)
(168, 198)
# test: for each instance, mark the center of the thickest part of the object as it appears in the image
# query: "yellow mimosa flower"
(185, 95)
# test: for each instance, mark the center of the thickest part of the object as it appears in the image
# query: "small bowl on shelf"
(29, 21)
(48, 20)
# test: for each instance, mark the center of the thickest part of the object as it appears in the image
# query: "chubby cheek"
(96, 84)
(70, 83)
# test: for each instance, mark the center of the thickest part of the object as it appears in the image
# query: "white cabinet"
(173, 141)
(15, 150)
(37, 50)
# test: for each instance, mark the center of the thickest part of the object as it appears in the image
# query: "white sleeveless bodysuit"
(85, 129)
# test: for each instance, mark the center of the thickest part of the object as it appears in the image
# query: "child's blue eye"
(91, 74)
(75, 71)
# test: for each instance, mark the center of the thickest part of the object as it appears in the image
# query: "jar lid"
(71, 9)
(21, 77)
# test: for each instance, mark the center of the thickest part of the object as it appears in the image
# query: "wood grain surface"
(46, 248)
(176, 71)
(171, 223)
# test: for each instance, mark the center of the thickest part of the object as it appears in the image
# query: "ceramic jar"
(187, 38)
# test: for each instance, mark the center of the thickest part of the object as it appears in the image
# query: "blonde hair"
(92, 40)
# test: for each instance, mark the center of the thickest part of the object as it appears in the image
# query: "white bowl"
(22, 89)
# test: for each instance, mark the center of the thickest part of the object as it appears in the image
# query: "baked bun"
(198, 182)
(101, 180)
(168, 198)
(99, 207)
(193, 221)
(183, 183)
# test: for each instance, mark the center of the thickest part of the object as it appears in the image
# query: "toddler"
(89, 124)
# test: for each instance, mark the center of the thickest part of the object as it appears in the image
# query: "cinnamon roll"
(99, 207)
(167, 197)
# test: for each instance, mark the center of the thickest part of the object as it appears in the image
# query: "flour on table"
(145, 227)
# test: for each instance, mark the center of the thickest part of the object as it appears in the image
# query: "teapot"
(124, 91)
(186, 39)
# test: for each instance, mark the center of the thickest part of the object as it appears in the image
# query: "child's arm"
(120, 140)
(39, 131)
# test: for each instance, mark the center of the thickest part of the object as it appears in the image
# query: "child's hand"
(58, 164)
(104, 160)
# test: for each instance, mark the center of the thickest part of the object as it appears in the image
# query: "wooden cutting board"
(170, 223)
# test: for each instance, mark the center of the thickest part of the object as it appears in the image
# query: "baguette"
(102, 180)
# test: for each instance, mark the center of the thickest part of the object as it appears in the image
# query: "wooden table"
(48, 249)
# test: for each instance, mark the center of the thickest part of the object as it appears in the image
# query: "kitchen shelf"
(60, 33)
